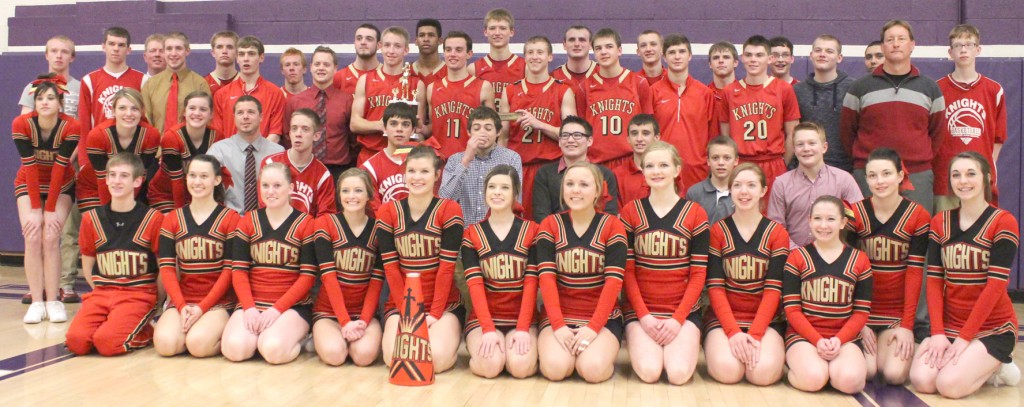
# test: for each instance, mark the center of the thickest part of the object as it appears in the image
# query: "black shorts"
(878, 331)
(305, 312)
(1000, 346)
(614, 325)
(778, 326)
(475, 324)
(456, 309)
(795, 338)
(694, 317)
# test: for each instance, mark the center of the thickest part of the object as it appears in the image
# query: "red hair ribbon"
(62, 84)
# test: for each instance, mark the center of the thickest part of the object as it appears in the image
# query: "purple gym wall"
(324, 21)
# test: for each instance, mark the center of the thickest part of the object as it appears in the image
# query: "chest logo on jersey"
(827, 290)
(964, 257)
(658, 243)
(274, 252)
(503, 267)
(46, 156)
(882, 248)
(199, 248)
(618, 105)
(452, 107)
(378, 101)
(965, 119)
(123, 263)
(541, 113)
(499, 87)
(763, 109)
(745, 268)
(393, 188)
(106, 99)
(580, 261)
(353, 259)
(418, 245)
(303, 194)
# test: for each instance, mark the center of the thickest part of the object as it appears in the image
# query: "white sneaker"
(36, 313)
(1007, 375)
(55, 311)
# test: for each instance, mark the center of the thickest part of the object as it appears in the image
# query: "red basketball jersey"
(346, 78)
(381, 88)
(501, 74)
(611, 103)
(313, 187)
(544, 101)
(757, 115)
(430, 77)
(976, 121)
(96, 99)
(451, 102)
(574, 80)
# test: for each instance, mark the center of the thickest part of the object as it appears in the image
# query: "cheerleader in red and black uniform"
(666, 267)
(45, 140)
(501, 275)
(195, 266)
(581, 257)
(128, 132)
(745, 264)
(422, 234)
(893, 232)
(345, 323)
(273, 270)
(974, 326)
(177, 147)
(826, 291)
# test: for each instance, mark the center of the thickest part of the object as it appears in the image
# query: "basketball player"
(293, 69)
(128, 132)
(120, 238)
(973, 324)
(873, 56)
(177, 147)
(223, 47)
(500, 66)
(578, 67)
(95, 103)
(782, 51)
(746, 259)
(649, 47)
(428, 67)
(969, 96)
(501, 275)
(451, 99)
(312, 185)
(642, 131)
(421, 234)
(580, 281)
(614, 95)
(685, 110)
(760, 112)
(665, 272)
(377, 89)
(43, 187)
(194, 240)
(272, 273)
(250, 83)
(385, 167)
(826, 290)
(893, 232)
(352, 274)
(366, 43)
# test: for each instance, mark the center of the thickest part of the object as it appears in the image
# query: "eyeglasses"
(575, 136)
(970, 46)
(782, 55)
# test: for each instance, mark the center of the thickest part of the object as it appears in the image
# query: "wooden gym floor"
(35, 369)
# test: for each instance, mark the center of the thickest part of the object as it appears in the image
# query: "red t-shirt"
(346, 78)
(313, 187)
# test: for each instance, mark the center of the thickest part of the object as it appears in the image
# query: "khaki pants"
(69, 251)
(945, 203)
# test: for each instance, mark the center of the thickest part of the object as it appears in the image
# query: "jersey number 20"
(750, 127)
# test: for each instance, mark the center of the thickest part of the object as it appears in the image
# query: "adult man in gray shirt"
(242, 153)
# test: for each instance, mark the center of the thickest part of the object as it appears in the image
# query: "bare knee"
(522, 367)
(952, 387)
(236, 348)
(556, 370)
(594, 371)
(167, 342)
(202, 345)
(487, 368)
(923, 380)
(649, 371)
(848, 382)
(276, 352)
(808, 378)
(330, 352)
(894, 375)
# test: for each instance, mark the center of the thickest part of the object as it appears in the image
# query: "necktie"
(172, 104)
(320, 146)
(250, 178)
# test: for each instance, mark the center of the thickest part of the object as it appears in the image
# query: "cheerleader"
(501, 275)
(974, 326)
(745, 264)
(826, 291)
(272, 273)
(346, 246)
(45, 139)
(177, 147)
(893, 233)
(195, 266)
(128, 132)
(667, 239)
(421, 234)
(581, 256)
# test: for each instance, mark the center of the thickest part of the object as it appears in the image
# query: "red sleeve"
(915, 266)
(274, 113)
(326, 202)
(289, 108)
(789, 104)
(307, 271)
(171, 163)
(1000, 117)
(376, 283)
(633, 294)
(326, 235)
(218, 111)
(861, 299)
(87, 235)
(848, 125)
(242, 260)
(97, 147)
(723, 106)
(1004, 234)
(451, 239)
(223, 283)
(475, 279)
(716, 282)
(697, 222)
(528, 306)
(385, 230)
(713, 122)
(936, 273)
(614, 264)
(791, 281)
(85, 106)
(644, 92)
(766, 311)
(69, 142)
(21, 132)
(547, 269)
(169, 261)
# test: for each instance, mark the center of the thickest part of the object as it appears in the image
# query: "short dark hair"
(607, 33)
(725, 141)
(128, 158)
(758, 41)
(644, 119)
(401, 110)
(376, 31)
(248, 98)
(218, 191)
(251, 41)
(484, 113)
(587, 128)
(674, 40)
(116, 31)
(887, 154)
(577, 27)
(781, 41)
(428, 22)
(723, 46)
(874, 43)
(317, 124)
(424, 151)
(325, 50)
(459, 34)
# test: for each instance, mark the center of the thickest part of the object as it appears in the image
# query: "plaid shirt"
(466, 185)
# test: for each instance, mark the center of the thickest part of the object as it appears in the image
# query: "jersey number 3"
(750, 128)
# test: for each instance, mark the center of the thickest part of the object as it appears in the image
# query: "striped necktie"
(250, 178)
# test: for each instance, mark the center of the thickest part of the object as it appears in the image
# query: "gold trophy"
(404, 93)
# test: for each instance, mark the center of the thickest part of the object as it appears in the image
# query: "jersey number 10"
(611, 125)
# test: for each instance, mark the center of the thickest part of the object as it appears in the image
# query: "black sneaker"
(26, 299)
(68, 296)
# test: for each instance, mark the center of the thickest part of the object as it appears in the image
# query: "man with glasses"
(574, 138)
(782, 52)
